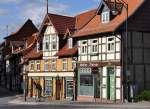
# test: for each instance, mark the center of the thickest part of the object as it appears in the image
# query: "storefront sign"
(89, 65)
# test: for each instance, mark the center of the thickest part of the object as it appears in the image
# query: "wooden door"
(58, 89)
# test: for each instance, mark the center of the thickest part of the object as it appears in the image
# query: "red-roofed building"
(55, 71)
(108, 66)
(88, 57)
(113, 66)
(12, 49)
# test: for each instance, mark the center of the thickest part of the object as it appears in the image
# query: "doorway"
(110, 83)
(58, 88)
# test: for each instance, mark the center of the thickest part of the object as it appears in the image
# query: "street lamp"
(75, 79)
(25, 83)
(125, 5)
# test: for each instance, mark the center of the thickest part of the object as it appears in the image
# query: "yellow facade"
(58, 86)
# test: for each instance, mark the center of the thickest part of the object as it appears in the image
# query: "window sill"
(94, 54)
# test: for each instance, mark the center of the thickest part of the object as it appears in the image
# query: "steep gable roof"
(26, 30)
(61, 23)
(83, 18)
(95, 26)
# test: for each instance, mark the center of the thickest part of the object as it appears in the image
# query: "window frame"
(32, 64)
(46, 63)
(112, 49)
(38, 65)
(105, 17)
(74, 64)
(64, 63)
(53, 41)
(84, 47)
(94, 45)
(70, 43)
(53, 62)
(46, 43)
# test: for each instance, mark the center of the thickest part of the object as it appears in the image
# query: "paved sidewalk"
(19, 100)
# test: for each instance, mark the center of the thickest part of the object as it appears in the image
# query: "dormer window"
(105, 17)
(70, 43)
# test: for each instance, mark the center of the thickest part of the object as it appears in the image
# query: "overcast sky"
(15, 12)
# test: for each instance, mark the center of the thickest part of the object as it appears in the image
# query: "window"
(64, 65)
(70, 43)
(48, 87)
(7, 66)
(37, 46)
(105, 17)
(32, 66)
(69, 88)
(54, 43)
(73, 65)
(94, 46)
(84, 47)
(46, 44)
(38, 66)
(53, 64)
(86, 85)
(110, 44)
(46, 65)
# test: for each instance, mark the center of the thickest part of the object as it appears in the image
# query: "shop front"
(54, 86)
(89, 80)
(99, 82)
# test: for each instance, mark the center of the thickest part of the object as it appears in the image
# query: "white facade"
(101, 47)
(105, 51)
(50, 43)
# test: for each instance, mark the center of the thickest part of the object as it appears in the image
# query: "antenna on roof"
(47, 7)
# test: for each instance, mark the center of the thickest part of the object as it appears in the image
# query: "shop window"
(86, 85)
(94, 46)
(46, 65)
(48, 88)
(69, 88)
(86, 80)
(64, 65)
(110, 44)
(84, 47)
(53, 64)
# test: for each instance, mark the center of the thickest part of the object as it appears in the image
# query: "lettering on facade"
(88, 65)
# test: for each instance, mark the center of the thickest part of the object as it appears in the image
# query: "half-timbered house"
(113, 58)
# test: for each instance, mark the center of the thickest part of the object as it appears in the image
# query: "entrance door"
(110, 83)
(96, 86)
(69, 88)
(58, 89)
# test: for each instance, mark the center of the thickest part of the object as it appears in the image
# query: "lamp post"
(25, 83)
(75, 79)
(125, 5)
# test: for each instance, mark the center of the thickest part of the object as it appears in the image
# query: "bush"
(143, 96)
